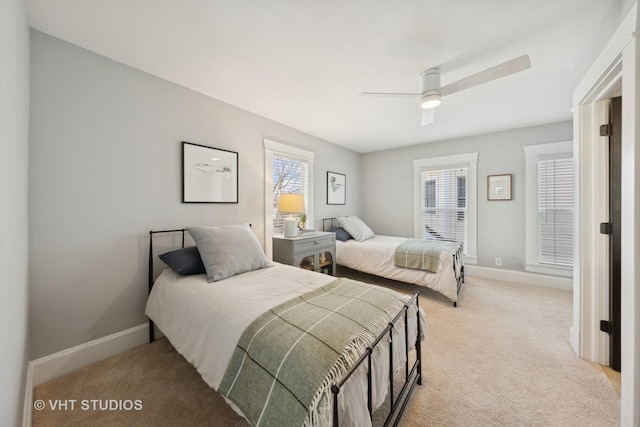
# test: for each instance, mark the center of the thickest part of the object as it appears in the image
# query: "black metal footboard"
(413, 374)
(458, 269)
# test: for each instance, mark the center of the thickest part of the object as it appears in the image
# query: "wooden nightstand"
(315, 252)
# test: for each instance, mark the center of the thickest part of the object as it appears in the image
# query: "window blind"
(290, 175)
(556, 209)
(444, 202)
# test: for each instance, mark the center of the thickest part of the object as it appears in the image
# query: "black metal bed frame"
(151, 233)
(413, 373)
(458, 257)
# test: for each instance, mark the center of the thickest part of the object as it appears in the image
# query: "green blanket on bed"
(422, 254)
(286, 360)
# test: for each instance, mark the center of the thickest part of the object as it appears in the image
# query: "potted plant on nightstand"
(303, 220)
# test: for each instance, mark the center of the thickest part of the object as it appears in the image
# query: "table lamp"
(292, 204)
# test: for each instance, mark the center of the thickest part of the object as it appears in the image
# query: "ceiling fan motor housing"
(430, 88)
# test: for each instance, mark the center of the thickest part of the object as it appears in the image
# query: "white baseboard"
(72, 359)
(522, 277)
(49, 367)
(574, 340)
(28, 397)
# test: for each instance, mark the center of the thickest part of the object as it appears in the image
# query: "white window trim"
(270, 148)
(468, 160)
(532, 229)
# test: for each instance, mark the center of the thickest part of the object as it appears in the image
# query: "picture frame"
(336, 188)
(499, 187)
(209, 175)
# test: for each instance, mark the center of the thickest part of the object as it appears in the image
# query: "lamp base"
(290, 227)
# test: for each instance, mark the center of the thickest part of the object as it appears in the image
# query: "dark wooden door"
(615, 180)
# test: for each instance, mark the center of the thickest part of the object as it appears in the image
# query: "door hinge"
(606, 326)
(606, 228)
(605, 130)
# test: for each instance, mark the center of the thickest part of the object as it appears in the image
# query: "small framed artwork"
(209, 175)
(336, 188)
(499, 187)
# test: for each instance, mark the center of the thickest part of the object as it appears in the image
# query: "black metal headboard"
(332, 223)
(151, 233)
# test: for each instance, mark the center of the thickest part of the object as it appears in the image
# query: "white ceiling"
(303, 63)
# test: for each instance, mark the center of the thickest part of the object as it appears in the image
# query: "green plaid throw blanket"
(286, 360)
(422, 254)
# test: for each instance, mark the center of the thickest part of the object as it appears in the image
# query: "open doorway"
(616, 66)
(613, 228)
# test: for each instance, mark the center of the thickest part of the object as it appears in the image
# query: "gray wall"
(14, 251)
(600, 36)
(388, 205)
(105, 169)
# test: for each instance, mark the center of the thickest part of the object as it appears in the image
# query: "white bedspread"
(203, 321)
(375, 256)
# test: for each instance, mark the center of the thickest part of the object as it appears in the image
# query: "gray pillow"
(227, 250)
(356, 227)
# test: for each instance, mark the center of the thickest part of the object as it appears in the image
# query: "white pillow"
(356, 227)
(228, 250)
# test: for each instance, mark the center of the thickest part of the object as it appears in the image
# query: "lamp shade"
(291, 203)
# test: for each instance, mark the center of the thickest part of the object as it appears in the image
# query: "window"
(287, 170)
(290, 175)
(462, 196)
(446, 200)
(430, 195)
(555, 209)
(549, 208)
(444, 193)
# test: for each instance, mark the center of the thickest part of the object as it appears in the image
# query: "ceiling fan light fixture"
(431, 91)
(431, 100)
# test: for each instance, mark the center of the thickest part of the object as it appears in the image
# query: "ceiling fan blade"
(513, 66)
(388, 94)
(427, 116)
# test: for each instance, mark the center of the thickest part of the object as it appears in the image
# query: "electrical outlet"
(498, 261)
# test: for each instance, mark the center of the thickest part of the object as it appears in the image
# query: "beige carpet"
(501, 358)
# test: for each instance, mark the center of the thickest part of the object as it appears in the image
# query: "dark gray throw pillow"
(185, 261)
(341, 234)
(227, 250)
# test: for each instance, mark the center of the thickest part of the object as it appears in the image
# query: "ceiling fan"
(431, 91)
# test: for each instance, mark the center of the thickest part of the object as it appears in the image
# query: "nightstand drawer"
(314, 242)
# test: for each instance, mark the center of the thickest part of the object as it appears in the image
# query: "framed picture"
(209, 175)
(499, 187)
(336, 188)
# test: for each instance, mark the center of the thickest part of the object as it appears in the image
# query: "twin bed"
(285, 346)
(358, 248)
